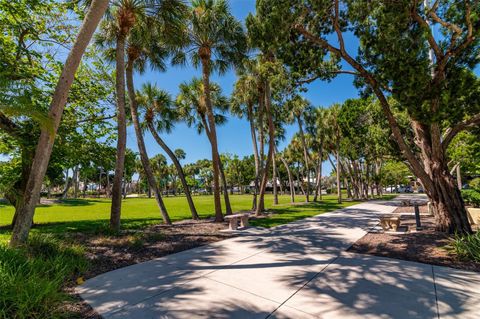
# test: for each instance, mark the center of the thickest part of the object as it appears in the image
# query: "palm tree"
(160, 117)
(217, 40)
(317, 129)
(333, 136)
(298, 106)
(26, 209)
(192, 109)
(121, 18)
(243, 104)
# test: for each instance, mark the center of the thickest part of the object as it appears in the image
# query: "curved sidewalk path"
(297, 270)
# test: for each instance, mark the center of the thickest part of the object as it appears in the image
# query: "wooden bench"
(390, 222)
(233, 219)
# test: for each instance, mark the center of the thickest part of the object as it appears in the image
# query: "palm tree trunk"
(318, 186)
(116, 207)
(255, 155)
(141, 144)
(26, 209)
(271, 146)
(228, 207)
(290, 180)
(179, 168)
(213, 139)
(339, 188)
(305, 155)
(274, 179)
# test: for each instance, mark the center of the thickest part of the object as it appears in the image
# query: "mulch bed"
(425, 246)
(107, 253)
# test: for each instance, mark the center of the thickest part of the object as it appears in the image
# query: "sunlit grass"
(91, 215)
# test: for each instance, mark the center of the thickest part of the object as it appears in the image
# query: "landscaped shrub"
(475, 184)
(467, 247)
(32, 278)
(471, 197)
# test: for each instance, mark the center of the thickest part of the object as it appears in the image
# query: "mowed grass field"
(92, 214)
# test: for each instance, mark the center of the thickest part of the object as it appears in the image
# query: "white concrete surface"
(298, 270)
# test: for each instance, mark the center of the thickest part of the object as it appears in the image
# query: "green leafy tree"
(429, 74)
(26, 208)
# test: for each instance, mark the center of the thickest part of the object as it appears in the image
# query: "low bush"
(467, 247)
(475, 184)
(32, 278)
(471, 197)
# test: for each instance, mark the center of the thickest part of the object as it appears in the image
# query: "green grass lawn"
(91, 215)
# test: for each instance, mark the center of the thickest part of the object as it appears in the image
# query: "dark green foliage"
(471, 197)
(32, 278)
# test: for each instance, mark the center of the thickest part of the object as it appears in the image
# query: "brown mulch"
(425, 246)
(108, 252)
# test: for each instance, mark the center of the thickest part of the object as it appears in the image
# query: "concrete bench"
(389, 222)
(233, 219)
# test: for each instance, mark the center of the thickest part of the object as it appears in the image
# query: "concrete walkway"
(298, 270)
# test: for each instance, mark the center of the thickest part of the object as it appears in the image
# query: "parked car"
(405, 189)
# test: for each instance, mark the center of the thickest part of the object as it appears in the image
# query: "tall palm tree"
(192, 109)
(298, 106)
(121, 18)
(243, 104)
(333, 137)
(217, 40)
(317, 129)
(160, 117)
(26, 209)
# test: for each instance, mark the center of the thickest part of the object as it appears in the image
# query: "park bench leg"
(244, 221)
(395, 226)
(233, 224)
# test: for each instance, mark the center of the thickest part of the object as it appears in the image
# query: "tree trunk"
(318, 186)
(76, 180)
(449, 208)
(274, 179)
(68, 183)
(116, 207)
(228, 207)
(205, 58)
(255, 155)
(26, 209)
(178, 166)
(290, 180)
(305, 156)
(339, 188)
(271, 147)
(141, 145)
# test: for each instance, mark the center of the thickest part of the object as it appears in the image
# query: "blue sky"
(234, 136)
